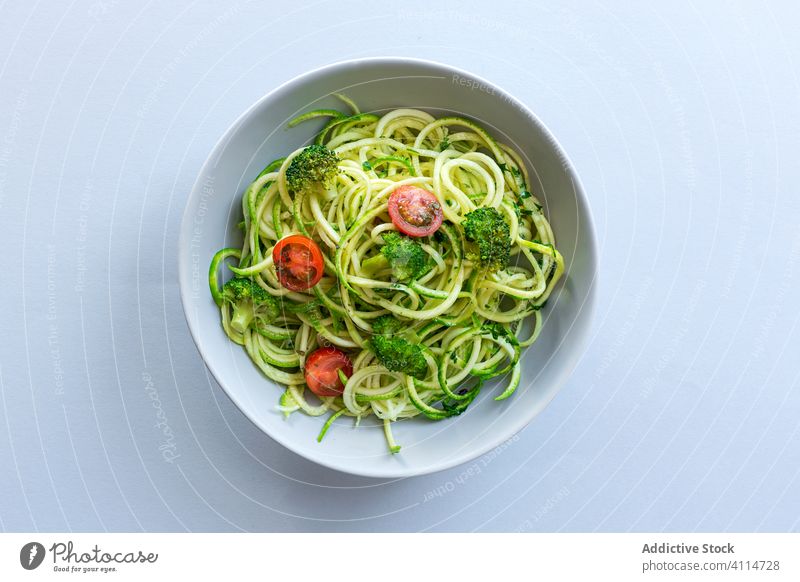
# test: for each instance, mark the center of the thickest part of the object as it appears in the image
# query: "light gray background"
(682, 119)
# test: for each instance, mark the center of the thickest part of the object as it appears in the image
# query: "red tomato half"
(415, 211)
(322, 368)
(298, 262)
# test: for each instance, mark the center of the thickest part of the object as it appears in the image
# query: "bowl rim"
(589, 303)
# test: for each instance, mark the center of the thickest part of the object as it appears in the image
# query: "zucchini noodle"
(471, 322)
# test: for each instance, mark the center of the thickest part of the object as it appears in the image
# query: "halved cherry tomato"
(415, 211)
(322, 368)
(298, 262)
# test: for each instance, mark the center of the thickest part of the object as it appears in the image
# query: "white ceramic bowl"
(377, 84)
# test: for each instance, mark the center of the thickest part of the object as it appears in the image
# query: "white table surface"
(682, 119)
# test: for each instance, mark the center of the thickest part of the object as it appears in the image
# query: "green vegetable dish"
(390, 269)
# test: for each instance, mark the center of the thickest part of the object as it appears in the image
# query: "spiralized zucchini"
(471, 322)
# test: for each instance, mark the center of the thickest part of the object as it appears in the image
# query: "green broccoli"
(315, 166)
(399, 355)
(406, 257)
(250, 303)
(397, 352)
(491, 237)
(386, 325)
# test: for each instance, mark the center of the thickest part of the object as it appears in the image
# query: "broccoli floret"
(399, 355)
(250, 303)
(387, 325)
(406, 256)
(315, 166)
(491, 235)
